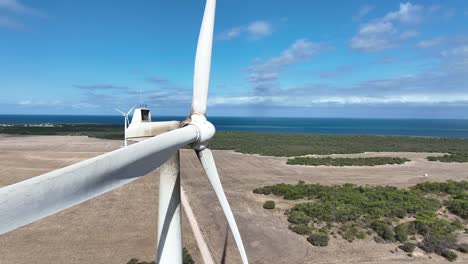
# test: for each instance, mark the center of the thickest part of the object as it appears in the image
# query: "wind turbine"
(33, 199)
(125, 115)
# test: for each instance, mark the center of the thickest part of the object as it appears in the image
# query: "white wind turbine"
(33, 199)
(125, 115)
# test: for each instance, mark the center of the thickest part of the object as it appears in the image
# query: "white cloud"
(17, 7)
(430, 42)
(363, 11)
(10, 23)
(264, 74)
(157, 79)
(300, 50)
(384, 33)
(308, 101)
(407, 34)
(255, 30)
(102, 87)
(263, 77)
(259, 29)
(444, 83)
(374, 36)
(230, 34)
(24, 102)
(339, 71)
(408, 13)
(460, 51)
(31, 103)
(84, 106)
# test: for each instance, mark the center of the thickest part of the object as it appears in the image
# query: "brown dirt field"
(120, 225)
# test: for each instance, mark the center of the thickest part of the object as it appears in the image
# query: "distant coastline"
(452, 128)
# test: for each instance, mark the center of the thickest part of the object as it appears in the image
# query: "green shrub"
(269, 205)
(318, 239)
(459, 205)
(186, 257)
(135, 261)
(449, 255)
(412, 228)
(301, 229)
(350, 233)
(437, 244)
(379, 240)
(298, 217)
(383, 230)
(463, 248)
(263, 190)
(401, 213)
(401, 232)
(361, 235)
(427, 223)
(422, 228)
(408, 247)
(448, 187)
(457, 224)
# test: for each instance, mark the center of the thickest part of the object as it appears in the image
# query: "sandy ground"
(120, 225)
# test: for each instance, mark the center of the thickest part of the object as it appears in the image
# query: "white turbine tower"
(33, 199)
(125, 115)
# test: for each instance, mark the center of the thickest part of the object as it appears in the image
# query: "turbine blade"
(33, 199)
(206, 159)
(130, 110)
(201, 80)
(122, 113)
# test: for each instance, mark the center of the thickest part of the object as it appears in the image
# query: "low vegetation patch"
(463, 248)
(318, 239)
(293, 145)
(328, 161)
(454, 157)
(186, 259)
(284, 145)
(457, 192)
(388, 213)
(91, 130)
(269, 205)
(408, 247)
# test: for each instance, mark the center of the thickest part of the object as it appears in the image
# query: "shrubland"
(186, 259)
(293, 145)
(328, 161)
(407, 215)
(284, 145)
(91, 130)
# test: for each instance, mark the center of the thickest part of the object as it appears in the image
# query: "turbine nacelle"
(141, 115)
(142, 126)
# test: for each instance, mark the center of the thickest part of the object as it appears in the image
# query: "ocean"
(344, 126)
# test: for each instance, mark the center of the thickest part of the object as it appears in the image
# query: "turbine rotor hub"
(206, 131)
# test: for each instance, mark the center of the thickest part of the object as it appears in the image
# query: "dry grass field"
(121, 225)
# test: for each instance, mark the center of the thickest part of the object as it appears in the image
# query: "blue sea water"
(404, 127)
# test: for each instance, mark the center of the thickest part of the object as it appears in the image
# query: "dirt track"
(122, 224)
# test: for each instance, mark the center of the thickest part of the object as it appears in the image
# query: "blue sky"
(305, 58)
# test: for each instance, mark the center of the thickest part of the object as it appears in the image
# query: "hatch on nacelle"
(141, 115)
(145, 115)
